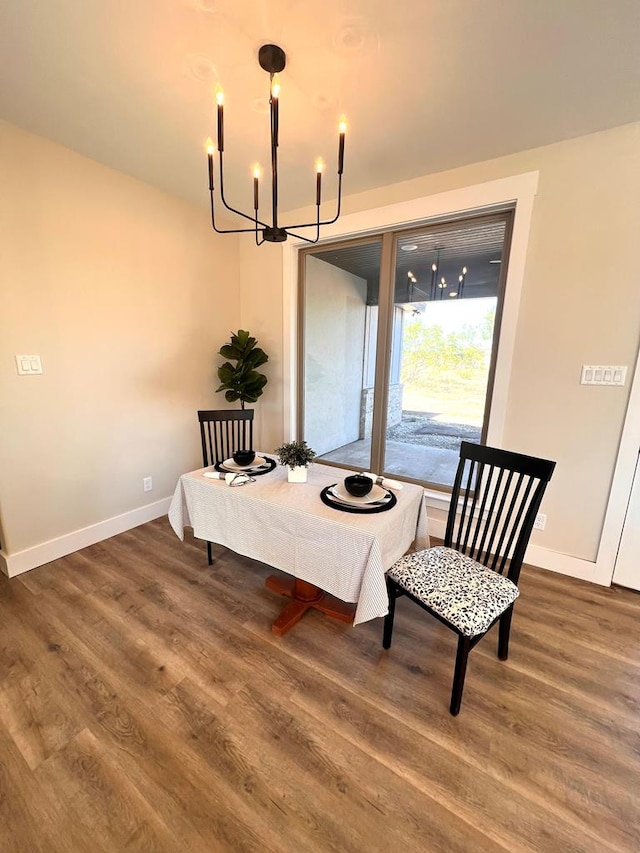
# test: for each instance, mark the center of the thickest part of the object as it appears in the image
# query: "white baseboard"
(31, 558)
(542, 558)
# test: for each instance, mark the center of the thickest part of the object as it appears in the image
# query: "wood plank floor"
(146, 705)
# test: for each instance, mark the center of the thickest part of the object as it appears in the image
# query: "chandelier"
(438, 284)
(273, 60)
(438, 287)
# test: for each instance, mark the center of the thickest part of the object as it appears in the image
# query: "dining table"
(334, 561)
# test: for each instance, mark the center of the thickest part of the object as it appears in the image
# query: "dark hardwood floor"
(146, 705)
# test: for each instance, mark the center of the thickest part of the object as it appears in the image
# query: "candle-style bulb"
(319, 168)
(257, 171)
(342, 127)
(210, 152)
(464, 270)
(434, 267)
(275, 109)
(220, 111)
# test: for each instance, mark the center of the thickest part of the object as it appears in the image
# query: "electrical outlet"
(540, 522)
(147, 484)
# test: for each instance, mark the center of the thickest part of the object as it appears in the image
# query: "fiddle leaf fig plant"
(242, 381)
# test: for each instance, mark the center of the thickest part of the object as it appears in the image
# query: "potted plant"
(242, 381)
(296, 455)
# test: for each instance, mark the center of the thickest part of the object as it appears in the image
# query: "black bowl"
(358, 485)
(244, 457)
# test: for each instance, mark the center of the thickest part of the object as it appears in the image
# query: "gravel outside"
(421, 428)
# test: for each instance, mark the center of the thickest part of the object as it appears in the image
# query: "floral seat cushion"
(465, 593)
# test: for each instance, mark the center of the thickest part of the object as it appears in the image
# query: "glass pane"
(446, 295)
(340, 326)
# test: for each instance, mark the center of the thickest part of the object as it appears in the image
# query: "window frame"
(388, 239)
(517, 191)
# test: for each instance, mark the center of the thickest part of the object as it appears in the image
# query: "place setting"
(242, 467)
(361, 493)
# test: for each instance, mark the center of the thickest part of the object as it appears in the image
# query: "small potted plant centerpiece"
(296, 455)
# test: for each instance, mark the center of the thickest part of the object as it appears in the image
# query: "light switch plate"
(28, 365)
(603, 374)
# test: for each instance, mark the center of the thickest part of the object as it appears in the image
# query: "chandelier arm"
(234, 231)
(300, 237)
(308, 239)
(233, 209)
(258, 242)
(243, 215)
(227, 230)
(319, 222)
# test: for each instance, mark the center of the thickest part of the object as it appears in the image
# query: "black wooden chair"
(470, 583)
(222, 432)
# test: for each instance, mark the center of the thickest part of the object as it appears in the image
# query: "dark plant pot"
(358, 485)
(244, 457)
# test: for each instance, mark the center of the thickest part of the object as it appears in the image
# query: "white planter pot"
(297, 474)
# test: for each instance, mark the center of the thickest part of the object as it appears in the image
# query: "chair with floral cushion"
(470, 583)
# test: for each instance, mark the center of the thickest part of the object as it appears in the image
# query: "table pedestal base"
(305, 595)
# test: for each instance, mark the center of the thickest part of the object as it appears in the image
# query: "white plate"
(230, 465)
(377, 493)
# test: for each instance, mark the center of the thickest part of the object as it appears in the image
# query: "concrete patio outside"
(421, 447)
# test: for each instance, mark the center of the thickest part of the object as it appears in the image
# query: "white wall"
(335, 309)
(126, 294)
(580, 304)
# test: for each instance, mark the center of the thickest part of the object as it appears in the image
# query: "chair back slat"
(485, 489)
(510, 504)
(465, 507)
(485, 522)
(223, 431)
(501, 520)
(511, 526)
(466, 526)
(495, 499)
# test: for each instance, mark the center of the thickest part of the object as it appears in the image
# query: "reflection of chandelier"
(272, 59)
(439, 287)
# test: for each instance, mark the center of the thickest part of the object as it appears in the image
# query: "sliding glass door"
(398, 342)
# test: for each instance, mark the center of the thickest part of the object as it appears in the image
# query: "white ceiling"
(426, 85)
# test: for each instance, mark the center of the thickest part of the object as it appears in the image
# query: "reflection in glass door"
(339, 325)
(446, 292)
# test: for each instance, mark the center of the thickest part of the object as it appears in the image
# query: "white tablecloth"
(287, 526)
